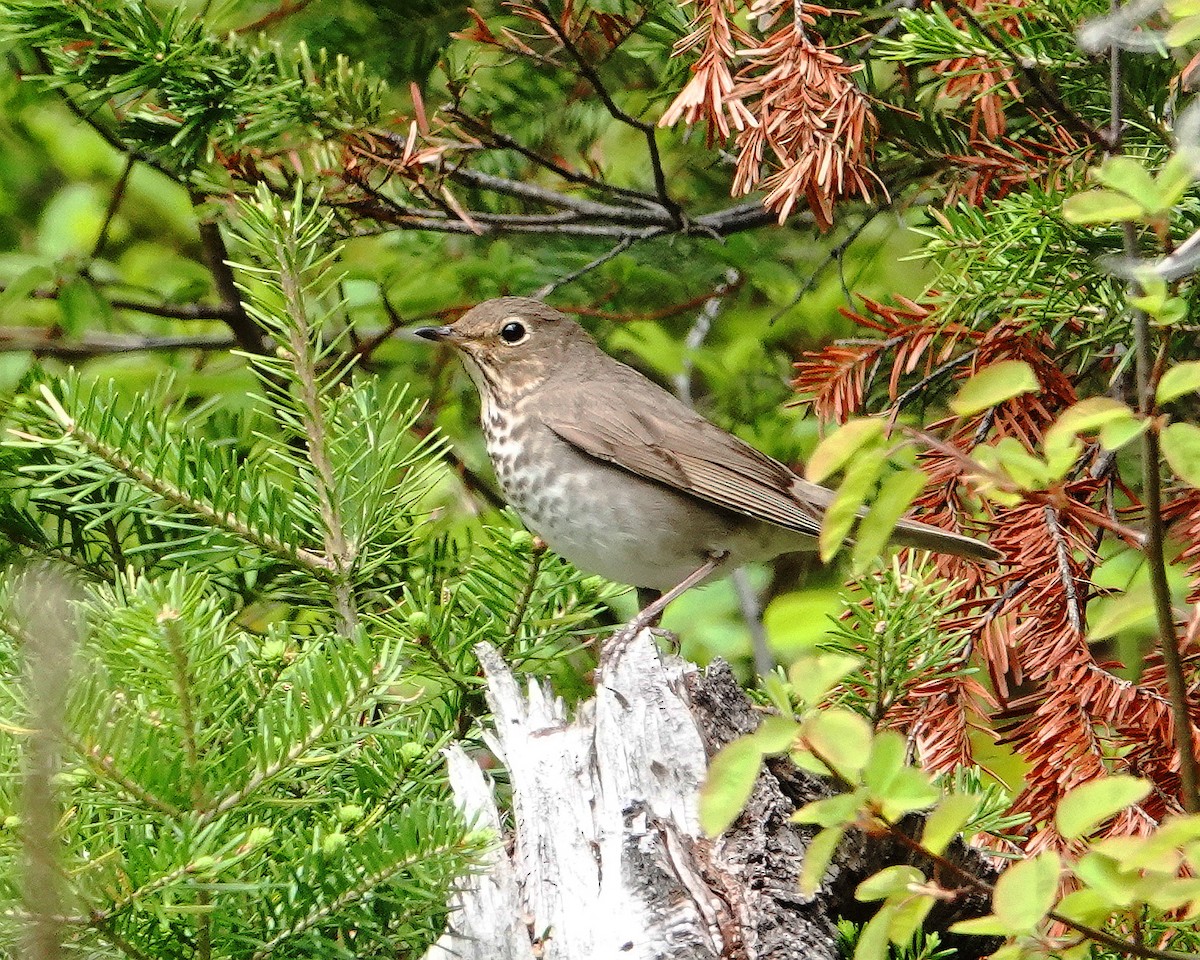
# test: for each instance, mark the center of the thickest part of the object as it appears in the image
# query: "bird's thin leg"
(652, 611)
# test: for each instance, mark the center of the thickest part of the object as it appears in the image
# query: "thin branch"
(648, 130)
(339, 552)
(505, 142)
(114, 204)
(834, 255)
(249, 337)
(544, 291)
(1033, 76)
(919, 387)
(313, 562)
(45, 343)
(169, 311)
(1168, 641)
(1063, 555)
(522, 604)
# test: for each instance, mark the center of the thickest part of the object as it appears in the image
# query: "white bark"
(607, 859)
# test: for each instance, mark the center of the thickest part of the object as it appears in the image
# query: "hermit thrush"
(619, 476)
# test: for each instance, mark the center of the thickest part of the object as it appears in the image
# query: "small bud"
(349, 813)
(331, 843)
(521, 540)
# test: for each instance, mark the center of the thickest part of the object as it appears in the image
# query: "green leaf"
(947, 820)
(775, 734)
(1089, 805)
(1084, 906)
(1125, 612)
(840, 810)
(993, 385)
(1114, 435)
(989, 926)
(835, 451)
(1102, 874)
(888, 754)
(815, 675)
(730, 780)
(895, 497)
(1127, 175)
(888, 882)
(873, 941)
(1178, 173)
(1086, 416)
(841, 738)
(908, 917)
(1026, 891)
(23, 285)
(911, 790)
(1181, 447)
(1183, 32)
(1101, 206)
(1183, 378)
(817, 858)
(843, 512)
(1182, 8)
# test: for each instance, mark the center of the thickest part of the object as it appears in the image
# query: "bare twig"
(544, 291)
(170, 311)
(114, 204)
(46, 343)
(1168, 641)
(648, 130)
(1063, 555)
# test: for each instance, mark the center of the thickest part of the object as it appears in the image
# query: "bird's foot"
(649, 615)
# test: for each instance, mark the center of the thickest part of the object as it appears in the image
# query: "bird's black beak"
(436, 334)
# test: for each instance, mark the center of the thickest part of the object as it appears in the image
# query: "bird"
(618, 475)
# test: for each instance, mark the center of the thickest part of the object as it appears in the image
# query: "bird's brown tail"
(925, 536)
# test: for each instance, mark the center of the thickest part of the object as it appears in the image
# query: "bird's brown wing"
(663, 440)
(674, 446)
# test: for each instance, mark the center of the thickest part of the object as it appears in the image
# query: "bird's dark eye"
(512, 332)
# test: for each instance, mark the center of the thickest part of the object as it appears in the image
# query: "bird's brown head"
(513, 344)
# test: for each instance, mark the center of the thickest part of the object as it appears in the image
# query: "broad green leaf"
(1127, 175)
(1101, 206)
(1183, 378)
(817, 857)
(873, 940)
(1183, 32)
(814, 676)
(1026, 891)
(1084, 906)
(910, 791)
(1113, 436)
(23, 285)
(888, 753)
(730, 780)
(989, 926)
(1089, 805)
(1182, 8)
(887, 882)
(947, 820)
(1026, 470)
(993, 385)
(1132, 609)
(1178, 173)
(1086, 416)
(1118, 887)
(1181, 447)
(909, 914)
(775, 734)
(835, 451)
(896, 495)
(840, 810)
(841, 738)
(843, 512)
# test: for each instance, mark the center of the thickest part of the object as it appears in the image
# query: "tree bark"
(606, 858)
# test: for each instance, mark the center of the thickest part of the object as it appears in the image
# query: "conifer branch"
(106, 767)
(353, 894)
(340, 554)
(313, 562)
(350, 701)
